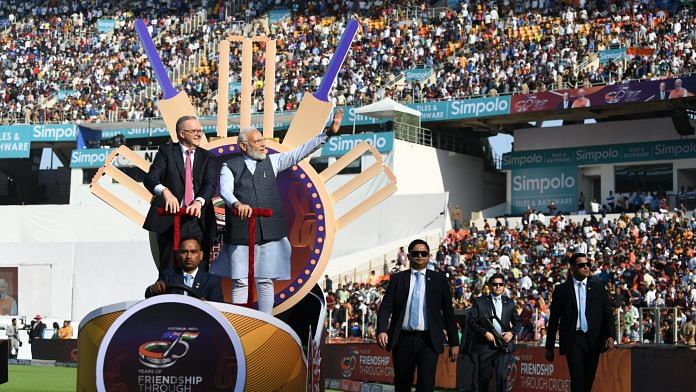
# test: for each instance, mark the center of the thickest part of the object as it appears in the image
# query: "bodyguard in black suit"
(167, 179)
(415, 310)
(206, 285)
(487, 354)
(582, 315)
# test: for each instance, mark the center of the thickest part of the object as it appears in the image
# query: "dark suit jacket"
(564, 316)
(392, 311)
(205, 285)
(169, 170)
(483, 307)
(569, 102)
(37, 331)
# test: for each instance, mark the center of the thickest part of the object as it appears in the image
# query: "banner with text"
(596, 155)
(15, 141)
(532, 372)
(340, 145)
(96, 157)
(643, 91)
(537, 188)
(609, 55)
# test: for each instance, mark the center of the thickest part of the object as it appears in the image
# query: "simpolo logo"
(582, 155)
(54, 132)
(89, 159)
(476, 107)
(161, 353)
(522, 160)
(542, 184)
(346, 144)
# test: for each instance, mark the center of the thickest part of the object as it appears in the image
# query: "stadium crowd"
(477, 48)
(646, 259)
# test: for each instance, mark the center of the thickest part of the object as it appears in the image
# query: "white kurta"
(272, 259)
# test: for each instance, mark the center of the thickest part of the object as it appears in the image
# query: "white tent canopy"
(385, 109)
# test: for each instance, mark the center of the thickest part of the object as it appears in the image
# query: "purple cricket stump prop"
(174, 104)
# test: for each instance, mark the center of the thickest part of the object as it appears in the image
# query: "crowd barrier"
(59, 350)
(627, 368)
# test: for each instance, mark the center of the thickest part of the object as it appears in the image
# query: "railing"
(415, 12)
(587, 61)
(657, 312)
(413, 134)
(197, 20)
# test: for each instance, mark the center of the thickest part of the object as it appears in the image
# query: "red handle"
(177, 230)
(262, 212)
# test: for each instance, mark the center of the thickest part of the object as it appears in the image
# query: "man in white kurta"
(272, 256)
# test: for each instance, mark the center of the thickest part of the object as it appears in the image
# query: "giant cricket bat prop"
(315, 109)
(173, 104)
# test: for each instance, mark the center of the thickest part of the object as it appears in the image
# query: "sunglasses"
(497, 284)
(583, 265)
(420, 253)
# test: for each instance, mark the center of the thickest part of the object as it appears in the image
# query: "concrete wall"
(615, 132)
(421, 169)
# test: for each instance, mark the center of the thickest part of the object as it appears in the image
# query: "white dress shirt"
(159, 188)
(581, 315)
(422, 316)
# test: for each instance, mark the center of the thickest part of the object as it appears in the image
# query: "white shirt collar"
(422, 271)
(192, 273)
(184, 148)
(500, 297)
(583, 282)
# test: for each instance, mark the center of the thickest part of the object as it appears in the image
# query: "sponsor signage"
(360, 362)
(171, 343)
(54, 133)
(634, 92)
(137, 133)
(15, 141)
(609, 55)
(106, 25)
(531, 372)
(595, 155)
(89, 157)
(463, 108)
(418, 73)
(62, 94)
(96, 157)
(538, 187)
(340, 145)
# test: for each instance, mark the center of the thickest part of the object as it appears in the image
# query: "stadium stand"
(646, 258)
(478, 48)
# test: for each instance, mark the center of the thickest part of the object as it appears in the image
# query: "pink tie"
(188, 186)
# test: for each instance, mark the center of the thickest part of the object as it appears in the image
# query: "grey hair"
(244, 135)
(180, 122)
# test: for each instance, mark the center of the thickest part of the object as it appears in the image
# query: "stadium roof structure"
(386, 108)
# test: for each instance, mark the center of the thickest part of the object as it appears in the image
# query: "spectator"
(65, 332)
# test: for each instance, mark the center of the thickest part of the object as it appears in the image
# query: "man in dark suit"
(582, 315)
(486, 355)
(415, 310)
(566, 102)
(662, 95)
(182, 176)
(206, 285)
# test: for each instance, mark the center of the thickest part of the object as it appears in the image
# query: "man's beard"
(259, 156)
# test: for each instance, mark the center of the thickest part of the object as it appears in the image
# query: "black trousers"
(190, 227)
(582, 363)
(485, 359)
(414, 351)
